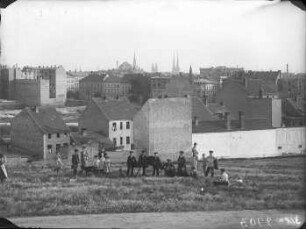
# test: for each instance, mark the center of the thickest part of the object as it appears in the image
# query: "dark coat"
(181, 162)
(131, 161)
(169, 169)
(156, 162)
(75, 160)
(142, 161)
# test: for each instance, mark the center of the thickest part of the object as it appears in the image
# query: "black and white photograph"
(153, 114)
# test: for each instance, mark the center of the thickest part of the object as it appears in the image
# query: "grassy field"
(276, 183)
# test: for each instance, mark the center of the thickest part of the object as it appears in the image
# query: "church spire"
(190, 71)
(134, 61)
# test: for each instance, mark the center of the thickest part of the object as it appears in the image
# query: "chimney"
(195, 121)
(241, 120)
(228, 120)
(287, 68)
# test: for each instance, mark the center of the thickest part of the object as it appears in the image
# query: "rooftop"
(219, 126)
(116, 109)
(200, 110)
(93, 78)
(48, 120)
(263, 75)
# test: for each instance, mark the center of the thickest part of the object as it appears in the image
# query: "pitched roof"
(255, 85)
(48, 120)
(93, 78)
(112, 79)
(263, 75)
(200, 110)
(116, 109)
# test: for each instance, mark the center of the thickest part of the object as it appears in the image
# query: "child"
(223, 180)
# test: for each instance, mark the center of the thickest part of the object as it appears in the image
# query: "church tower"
(134, 62)
(175, 65)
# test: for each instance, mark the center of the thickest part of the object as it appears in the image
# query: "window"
(65, 134)
(58, 135)
(127, 125)
(49, 136)
(121, 141)
(127, 140)
(49, 148)
(114, 128)
(121, 125)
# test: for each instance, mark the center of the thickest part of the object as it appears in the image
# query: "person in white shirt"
(223, 179)
(195, 155)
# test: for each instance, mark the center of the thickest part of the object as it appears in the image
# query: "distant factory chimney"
(241, 120)
(287, 68)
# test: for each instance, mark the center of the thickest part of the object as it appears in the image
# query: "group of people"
(143, 162)
(209, 165)
(101, 162)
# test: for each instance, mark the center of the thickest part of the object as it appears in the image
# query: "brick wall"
(164, 125)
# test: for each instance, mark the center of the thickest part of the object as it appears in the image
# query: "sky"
(92, 35)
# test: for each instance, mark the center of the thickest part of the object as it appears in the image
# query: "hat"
(84, 146)
(131, 152)
(76, 150)
(211, 151)
(155, 153)
(181, 152)
(142, 151)
(222, 170)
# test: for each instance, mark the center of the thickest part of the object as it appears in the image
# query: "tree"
(140, 91)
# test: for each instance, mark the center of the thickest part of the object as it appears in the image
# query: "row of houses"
(165, 125)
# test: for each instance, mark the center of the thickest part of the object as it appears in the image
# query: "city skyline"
(95, 35)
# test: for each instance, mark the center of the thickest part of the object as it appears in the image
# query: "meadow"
(271, 183)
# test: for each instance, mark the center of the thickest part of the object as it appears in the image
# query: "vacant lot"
(34, 190)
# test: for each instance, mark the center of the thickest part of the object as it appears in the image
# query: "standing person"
(181, 165)
(204, 163)
(142, 162)
(131, 164)
(75, 160)
(107, 164)
(156, 164)
(84, 158)
(210, 162)
(3, 173)
(58, 162)
(102, 162)
(195, 155)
